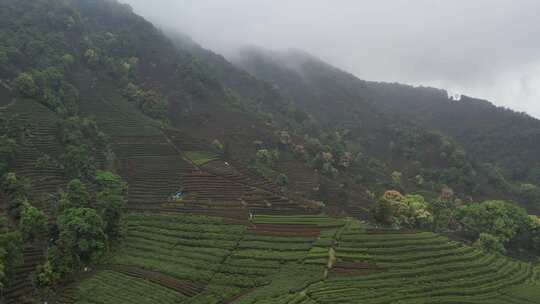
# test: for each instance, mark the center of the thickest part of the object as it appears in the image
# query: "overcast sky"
(484, 48)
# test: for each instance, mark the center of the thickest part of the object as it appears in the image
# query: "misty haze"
(257, 152)
(481, 48)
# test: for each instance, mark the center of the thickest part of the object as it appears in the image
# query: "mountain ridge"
(138, 167)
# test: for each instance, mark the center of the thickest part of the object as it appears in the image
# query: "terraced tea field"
(41, 141)
(186, 247)
(152, 168)
(115, 115)
(114, 287)
(217, 181)
(415, 268)
(179, 258)
(22, 285)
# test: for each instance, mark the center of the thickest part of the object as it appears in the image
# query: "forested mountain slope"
(502, 144)
(141, 168)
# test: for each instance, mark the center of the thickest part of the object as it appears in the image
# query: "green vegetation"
(225, 257)
(526, 293)
(33, 222)
(84, 227)
(87, 86)
(409, 211)
(490, 244)
(200, 157)
(186, 247)
(83, 142)
(494, 225)
(498, 218)
(81, 235)
(13, 134)
(10, 252)
(315, 220)
(414, 268)
(149, 102)
(108, 287)
(16, 190)
(110, 201)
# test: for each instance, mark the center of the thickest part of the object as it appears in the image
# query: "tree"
(533, 234)
(382, 212)
(490, 244)
(4, 59)
(67, 61)
(92, 57)
(267, 157)
(156, 110)
(282, 180)
(109, 206)
(149, 102)
(396, 179)
(498, 218)
(284, 138)
(443, 214)
(346, 160)
(313, 146)
(10, 252)
(81, 235)
(16, 189)
(14, 186)
(329, 170)
(77, 194)
(8, 147)
(58, 265)
(77, 131)
(26, 85)
(133, 93)
(530, 193)
(217, 145)
(410, 211)
(110, 201)
(33, 222)
(46, 274)
(443, 210)
(77, 161)
(108, 181)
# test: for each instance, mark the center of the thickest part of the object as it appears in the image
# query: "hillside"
(142, 168)
(501, 145)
